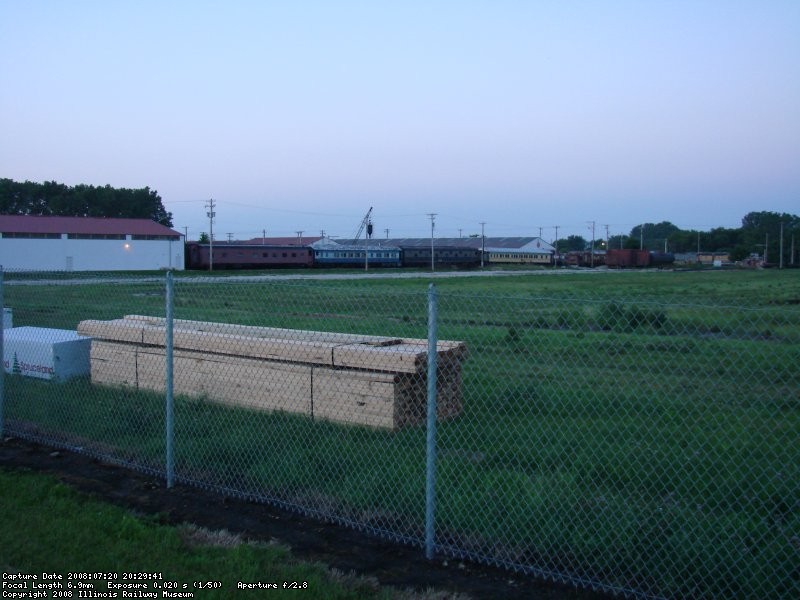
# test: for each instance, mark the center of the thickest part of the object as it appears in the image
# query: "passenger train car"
(247, 256)
(445, 256)
(353, 256)
(453, 253)
(505, 257)
(233, 255)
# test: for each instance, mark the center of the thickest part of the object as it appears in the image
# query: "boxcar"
(626, 257)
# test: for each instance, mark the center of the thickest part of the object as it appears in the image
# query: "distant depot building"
(88, 244)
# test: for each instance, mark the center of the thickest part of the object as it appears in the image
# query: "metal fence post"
(170, 426)
(3, 369)
(430, 467)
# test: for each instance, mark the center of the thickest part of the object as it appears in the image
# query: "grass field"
(635, 431)
(49, 528)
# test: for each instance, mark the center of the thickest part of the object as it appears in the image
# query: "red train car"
(627, 257)
(247, 256)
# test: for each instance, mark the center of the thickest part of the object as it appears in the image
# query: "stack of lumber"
(368, 380)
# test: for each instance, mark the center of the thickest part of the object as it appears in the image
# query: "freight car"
(585, 258)
(626, 258)
(247, 256)
(661, 259)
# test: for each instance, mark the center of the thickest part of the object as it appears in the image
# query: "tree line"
(57, 199)
(760, 232)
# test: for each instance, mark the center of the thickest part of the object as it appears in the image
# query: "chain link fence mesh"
(632, 444)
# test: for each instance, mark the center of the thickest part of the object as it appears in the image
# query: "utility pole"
(555, 248)
(592, 248)
(185, 233)
(211, 214)
(483, 242)
(459, 233)
(780, 261)
(264, 237)
(387, 233)
(608, 238)
(299, 237)
(230, 237)
(433, 219)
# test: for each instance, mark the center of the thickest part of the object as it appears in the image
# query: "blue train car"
(353, 256)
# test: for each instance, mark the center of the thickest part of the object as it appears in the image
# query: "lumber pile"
(368, 380)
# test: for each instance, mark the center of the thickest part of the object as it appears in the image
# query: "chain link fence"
(631, 444)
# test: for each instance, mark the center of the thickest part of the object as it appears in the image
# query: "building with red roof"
(46, 243)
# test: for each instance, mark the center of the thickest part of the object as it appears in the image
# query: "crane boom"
(364, 223)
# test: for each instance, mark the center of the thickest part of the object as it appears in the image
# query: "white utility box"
(46, 353)
(8, 321)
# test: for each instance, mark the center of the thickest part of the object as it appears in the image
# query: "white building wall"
(90, 255)
(538, 245)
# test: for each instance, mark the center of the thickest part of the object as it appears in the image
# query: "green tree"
(571, 243)
(617, 241)
(52, 198)
(652, 235)
(761, 231)
(684, 240)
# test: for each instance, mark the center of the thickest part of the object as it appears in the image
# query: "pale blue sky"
(301, 115)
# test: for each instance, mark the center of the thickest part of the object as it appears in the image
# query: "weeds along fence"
(640, 446)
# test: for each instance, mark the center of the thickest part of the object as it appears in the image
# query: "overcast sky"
(300, 116)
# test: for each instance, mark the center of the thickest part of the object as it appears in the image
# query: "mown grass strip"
(46, 527)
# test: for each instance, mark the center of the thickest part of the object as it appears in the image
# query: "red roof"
(282, 241)
(82, 225)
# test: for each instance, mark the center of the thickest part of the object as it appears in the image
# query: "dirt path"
(394, 565)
